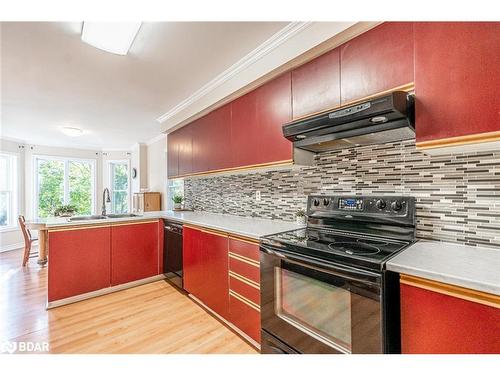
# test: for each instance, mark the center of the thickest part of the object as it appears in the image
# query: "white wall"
(157, 168)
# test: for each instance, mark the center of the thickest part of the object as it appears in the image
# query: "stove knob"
(380, 204)
(396, 205)
(326, 201)
(316, 202)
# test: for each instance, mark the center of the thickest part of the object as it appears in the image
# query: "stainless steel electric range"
(324, 288)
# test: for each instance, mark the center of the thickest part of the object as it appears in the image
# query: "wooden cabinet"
(257, 121)
(244, 286)
(316, 85)
(443, 319)
(150, 201)
(185, 152)
(378, 60)
(134, 251)
(173, 154)
(205, 268)
(456, 80)
(218, 136)
(79, 261)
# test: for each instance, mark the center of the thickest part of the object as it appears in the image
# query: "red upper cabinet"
(436, 323)
(274, 108)
(378, 60)
(134, 252)
(245, 130)
(316, 85)
(184, 140)
(257, 121)
(219, 138)
(173, 154)
(457, 77)
(79, 262)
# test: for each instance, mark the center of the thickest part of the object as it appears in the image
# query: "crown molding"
(270, 44)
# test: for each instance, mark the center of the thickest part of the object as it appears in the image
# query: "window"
(119, 181)
(175, 187)
(61, 181)
(8, 191)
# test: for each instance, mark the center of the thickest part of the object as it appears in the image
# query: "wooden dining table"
(42, 240)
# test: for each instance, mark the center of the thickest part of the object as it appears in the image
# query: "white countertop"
(470, 267)
(243, 226)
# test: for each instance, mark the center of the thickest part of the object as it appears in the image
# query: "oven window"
(315, 307)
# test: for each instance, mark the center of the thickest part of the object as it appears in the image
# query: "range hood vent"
(387, 118)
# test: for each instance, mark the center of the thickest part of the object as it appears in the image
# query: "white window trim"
(110, 181)
(15, 199)
(66, 160)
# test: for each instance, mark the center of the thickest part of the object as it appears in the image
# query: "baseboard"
(14, 246)
(102, 292)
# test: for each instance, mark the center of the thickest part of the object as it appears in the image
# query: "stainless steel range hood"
(383, 119)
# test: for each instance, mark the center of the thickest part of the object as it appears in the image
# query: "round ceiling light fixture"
(71, 131)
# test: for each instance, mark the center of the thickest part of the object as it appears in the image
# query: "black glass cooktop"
(353, 249)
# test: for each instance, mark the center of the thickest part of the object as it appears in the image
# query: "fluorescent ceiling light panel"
(71, 131)
(114, 37)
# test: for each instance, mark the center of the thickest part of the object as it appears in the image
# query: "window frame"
(15, 197)
(66, 160)
(110, 164)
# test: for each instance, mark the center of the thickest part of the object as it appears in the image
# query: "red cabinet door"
(436, 323)
(316, 85)
(218, 134)
(173, 154)
(456, 79)
(245, 130)
(205, 263)
(79, 262)
(274, 108)
(378, 60)
(257, 121)
(245, 316)
(216, 290)
(184, 137)
(134, 252)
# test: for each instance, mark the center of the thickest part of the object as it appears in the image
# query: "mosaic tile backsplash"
(458, 196)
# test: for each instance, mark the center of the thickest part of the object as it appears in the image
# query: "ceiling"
(51, 79)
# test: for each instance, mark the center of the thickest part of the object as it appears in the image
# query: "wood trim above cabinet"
(204, 230)
(471, 295)
(244, 259)
(245, 300)
(460, 140)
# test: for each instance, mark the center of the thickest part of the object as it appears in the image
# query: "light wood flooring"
(152, 318)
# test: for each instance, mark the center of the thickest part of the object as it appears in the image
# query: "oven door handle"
(334, 269)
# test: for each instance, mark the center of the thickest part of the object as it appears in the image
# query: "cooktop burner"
(337, 246)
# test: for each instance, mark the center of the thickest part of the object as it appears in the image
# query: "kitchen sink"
(117, 216)
(89, 217)
(101, 217)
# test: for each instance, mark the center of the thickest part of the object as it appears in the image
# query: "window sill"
(9, 229)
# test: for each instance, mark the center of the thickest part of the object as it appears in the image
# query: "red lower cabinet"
(79, 261)
(205, 268)
(134, 252)
(436, 323)
(244, 286)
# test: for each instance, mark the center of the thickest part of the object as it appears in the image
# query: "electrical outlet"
(257, 195)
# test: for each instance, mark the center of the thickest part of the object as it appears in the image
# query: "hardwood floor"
(152, 318)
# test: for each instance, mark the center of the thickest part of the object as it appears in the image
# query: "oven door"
(315, 307)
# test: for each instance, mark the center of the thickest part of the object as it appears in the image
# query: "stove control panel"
(382, 208)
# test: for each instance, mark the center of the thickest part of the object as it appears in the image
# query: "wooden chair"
(28, 240)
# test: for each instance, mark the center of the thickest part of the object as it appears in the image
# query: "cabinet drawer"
(244, 316)
(245, 249)
(244, 287)
(247, 269)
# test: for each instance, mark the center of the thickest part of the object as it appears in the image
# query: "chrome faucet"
(105, 200)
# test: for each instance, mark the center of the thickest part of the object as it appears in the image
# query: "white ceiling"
(50, 78)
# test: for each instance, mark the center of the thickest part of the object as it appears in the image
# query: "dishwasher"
(172, 253)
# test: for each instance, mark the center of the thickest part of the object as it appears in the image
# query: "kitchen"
(326, 203)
